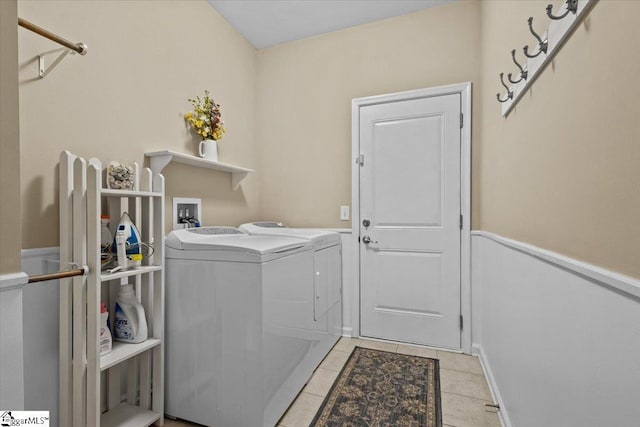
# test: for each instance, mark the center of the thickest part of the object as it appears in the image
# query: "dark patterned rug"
(382, 389)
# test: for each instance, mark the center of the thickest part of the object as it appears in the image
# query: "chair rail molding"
(599, 275)
(13, 281)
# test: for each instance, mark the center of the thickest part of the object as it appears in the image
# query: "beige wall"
(10, 242)
(562, 171)
(128, 95)
(304, 103)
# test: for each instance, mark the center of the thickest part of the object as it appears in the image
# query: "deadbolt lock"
(366, 222)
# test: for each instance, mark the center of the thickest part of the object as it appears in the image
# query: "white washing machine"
(327, 278)
(240, 329)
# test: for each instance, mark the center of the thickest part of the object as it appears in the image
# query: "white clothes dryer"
(239, 325)
(327, 277)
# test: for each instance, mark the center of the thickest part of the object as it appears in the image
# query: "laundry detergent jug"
(130, 324)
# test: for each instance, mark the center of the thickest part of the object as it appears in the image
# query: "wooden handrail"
(81, 48)
(56, 276)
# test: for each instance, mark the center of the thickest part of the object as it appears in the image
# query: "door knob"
(366, 240)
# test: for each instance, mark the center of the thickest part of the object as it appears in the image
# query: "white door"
(410, 221)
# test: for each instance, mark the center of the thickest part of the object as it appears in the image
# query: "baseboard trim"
(13, 281)
(347, 331)
(503, 416)
(616, 281)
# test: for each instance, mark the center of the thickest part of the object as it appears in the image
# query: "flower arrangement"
(206, 118)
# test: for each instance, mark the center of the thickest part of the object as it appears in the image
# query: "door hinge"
(360, 159)
(461, 221)
(461, 321)
(461, 120)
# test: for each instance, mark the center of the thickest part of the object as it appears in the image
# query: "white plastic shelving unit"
(160, 159)
(92, 392)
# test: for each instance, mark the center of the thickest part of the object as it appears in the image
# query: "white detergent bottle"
(130, 324)
(105, 333)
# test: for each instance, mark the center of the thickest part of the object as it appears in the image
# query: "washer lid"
(231, 239)
(318, 237)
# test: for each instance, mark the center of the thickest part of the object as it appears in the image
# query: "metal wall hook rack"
(542, 44)
(523, 72)
(509, 96)
(509, 91)
(549, 42)
(572, 6)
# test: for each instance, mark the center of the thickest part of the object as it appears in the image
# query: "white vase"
(208, 149)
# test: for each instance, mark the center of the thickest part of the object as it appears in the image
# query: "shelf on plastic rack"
(123, 351)
(160, 159)
(128, 273)
(125, 415)
(128, 193)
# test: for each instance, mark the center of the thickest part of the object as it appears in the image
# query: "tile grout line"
(463, 372)
(467, 396)
(315, 394)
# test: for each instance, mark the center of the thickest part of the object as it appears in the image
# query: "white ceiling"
(267, 23)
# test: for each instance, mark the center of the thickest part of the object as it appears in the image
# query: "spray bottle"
(105, 332)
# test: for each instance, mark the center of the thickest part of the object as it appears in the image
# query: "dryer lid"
(231, 239)
(317, 236)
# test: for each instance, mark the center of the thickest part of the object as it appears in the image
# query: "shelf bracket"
(158, 163)
(42, 69)
(236, 179)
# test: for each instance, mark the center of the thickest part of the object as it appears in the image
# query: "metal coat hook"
(572, 6)
(523, 72)
(509, 91)
(543, 45)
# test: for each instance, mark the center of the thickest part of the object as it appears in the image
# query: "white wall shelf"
(160, 159)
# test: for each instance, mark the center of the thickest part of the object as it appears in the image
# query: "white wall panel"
(40, 322)
(11, 335)
(561, 347)
(350, 292)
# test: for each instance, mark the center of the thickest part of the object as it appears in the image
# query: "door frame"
(464, 89)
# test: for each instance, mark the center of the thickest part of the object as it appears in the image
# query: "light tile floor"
(462, 383)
